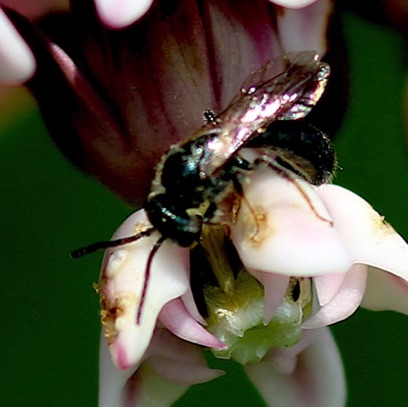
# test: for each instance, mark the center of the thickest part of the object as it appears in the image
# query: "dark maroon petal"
(114, 101)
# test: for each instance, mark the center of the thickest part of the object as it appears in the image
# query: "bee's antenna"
(110, 243)
(154, 250)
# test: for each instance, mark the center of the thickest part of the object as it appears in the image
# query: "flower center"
(233, 302)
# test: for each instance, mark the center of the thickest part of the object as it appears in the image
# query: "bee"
(195, 175)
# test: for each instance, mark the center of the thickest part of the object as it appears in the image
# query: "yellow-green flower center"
(235, 306)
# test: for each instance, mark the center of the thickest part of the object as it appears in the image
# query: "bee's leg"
(293, 179)
(210, 213)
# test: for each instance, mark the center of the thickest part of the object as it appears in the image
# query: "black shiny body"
(193, 178)
(296, 145)
(267, 115)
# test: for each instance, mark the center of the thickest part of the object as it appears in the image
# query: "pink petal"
(17, 62)
(283, 228)
(121, 13)
(327, 286)
(146, 389)
(368, 238)
(317, 379)
(275, 286)
(304, 28)
(133, 388)
(123, 276)
(191, 306)
(175, 317)
(345, 302)
(285, 360)
(385, 292)
(178, 361)
(111, 380)
(171, 366)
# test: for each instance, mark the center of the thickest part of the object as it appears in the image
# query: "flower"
(17, 61)
(350, 254)
(125, 90)
(318, 252)
(116, 113)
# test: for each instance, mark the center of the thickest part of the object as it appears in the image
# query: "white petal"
(385, 292)
(345, 302)
(17, 62)
(170, 367)
(121, 13)
(327, 286)
(134, 388)
(283, 228)
(369, 239)
(111, 380)
(317, 379)
(302, 29)
(147, 389)
(293, 3)
(123, 276)
(178, 361)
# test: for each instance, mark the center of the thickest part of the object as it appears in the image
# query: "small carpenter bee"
(198, 171)
(195, 176)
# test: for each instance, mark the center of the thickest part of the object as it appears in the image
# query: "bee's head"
(173, 222)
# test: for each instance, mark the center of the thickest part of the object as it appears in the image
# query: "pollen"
(257, 225)
(381, 225)
(114, 310)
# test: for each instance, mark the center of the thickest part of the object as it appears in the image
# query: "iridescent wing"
(286, 88)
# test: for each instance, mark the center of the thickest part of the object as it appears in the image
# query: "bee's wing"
(296, 80)
(270, 72)
(286, 88)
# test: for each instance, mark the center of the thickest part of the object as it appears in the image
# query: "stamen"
(212, 241)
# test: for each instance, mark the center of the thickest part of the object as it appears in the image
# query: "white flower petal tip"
(17, 63)
(118, 14)
(369, 238)
(128, 326)
(346, 301)
(327, 287)
(385, 292)
(283, 227)
(293, 3)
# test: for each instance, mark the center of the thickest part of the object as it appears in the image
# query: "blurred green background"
(49, 311)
